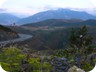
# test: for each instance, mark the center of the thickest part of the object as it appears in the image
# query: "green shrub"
(87, 66)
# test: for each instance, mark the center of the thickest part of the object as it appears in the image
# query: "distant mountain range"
(6, 18)
(65, 23)
(56, 14)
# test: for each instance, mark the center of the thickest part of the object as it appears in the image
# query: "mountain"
(7, 33)
(60, 22)
(6, 18)
(56, 14)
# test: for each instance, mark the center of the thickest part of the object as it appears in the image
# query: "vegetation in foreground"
(80, 52)
(14, 60)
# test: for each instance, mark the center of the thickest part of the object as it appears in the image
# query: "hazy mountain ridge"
(6, 18)
(66, 23)
(56, 14)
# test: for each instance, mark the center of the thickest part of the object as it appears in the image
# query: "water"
(22, 37)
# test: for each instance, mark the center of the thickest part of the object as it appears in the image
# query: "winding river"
(22, 37)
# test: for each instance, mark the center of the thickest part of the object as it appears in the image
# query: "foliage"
(80, 40)
(11, 59)
(38, 66)
(35, 63)
(87, 66)
(68, 53)
(44, 40)
(80, 47)
(80, 43)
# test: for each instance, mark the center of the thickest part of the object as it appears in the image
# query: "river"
(22, 37)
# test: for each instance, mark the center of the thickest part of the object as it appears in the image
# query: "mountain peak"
(60, 13)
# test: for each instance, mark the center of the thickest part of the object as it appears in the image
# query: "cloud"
(50, 7)
(2, 2)
(93, 2)
(3, 10)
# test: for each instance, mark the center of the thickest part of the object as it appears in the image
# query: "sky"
(29, 7)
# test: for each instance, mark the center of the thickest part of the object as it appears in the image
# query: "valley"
(49, 41)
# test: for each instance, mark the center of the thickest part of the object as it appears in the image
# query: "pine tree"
(80, 39)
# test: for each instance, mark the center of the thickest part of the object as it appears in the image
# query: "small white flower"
(81, 36)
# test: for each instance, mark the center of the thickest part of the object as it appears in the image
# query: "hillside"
(7, 34)
(60, 22)
(51, 39)
(6, 18)
(56, 14)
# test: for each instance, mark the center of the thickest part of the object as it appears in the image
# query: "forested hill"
(7, 33)
(60, 22)
(5, 28)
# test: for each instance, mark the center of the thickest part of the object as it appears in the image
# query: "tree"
(80, 40)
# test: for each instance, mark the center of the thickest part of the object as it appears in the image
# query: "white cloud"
(30, 7)
(2, 2)
(93, 2)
